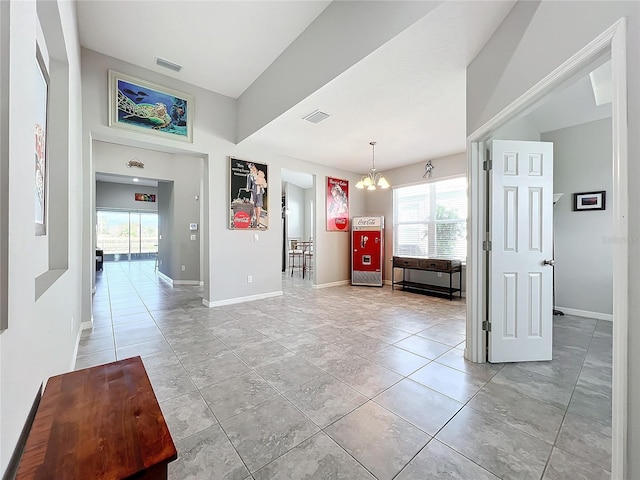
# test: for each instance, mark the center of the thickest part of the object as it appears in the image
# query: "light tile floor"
(352, 383)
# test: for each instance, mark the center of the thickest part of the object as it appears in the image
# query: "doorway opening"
(298, 226)
(613, 43)
(127, 236)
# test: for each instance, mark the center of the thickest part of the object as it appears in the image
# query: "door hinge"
(486, 325)
(487, 165)
(486, 245)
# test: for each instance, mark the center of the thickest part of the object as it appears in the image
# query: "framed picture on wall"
(337, 196)
(248, 195)
(41, 94)
(589, 201)
(145, 107)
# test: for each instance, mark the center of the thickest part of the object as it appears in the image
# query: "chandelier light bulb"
(373, 179)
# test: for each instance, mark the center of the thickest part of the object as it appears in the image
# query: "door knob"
(551, 262)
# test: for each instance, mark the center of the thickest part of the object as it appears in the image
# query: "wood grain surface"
(99, 423)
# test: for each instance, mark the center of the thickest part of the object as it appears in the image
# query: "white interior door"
(521, 234)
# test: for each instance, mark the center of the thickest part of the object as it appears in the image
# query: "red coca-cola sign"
(241, 220)
(341, 223)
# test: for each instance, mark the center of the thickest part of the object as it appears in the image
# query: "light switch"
(256, 237)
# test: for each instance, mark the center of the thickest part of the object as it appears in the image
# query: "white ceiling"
(223, 46)
(409, 95)
(109, 178)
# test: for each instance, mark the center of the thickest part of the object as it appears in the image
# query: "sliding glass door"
(126, 236)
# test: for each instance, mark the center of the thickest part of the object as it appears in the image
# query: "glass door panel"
(112, 235)
(134, 236)
(148, 235)
(127, 235)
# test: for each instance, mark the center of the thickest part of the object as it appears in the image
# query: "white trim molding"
(333, 284)
(585, 313)
(233, 301)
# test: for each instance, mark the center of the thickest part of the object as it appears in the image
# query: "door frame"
(612, 40)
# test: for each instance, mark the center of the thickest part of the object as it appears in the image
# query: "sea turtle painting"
(154, 114)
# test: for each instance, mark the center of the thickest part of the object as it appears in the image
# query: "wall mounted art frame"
(145, 107)
(337, 197)
(589, 201)
(41, 94)
(248, 195)
(144, 197)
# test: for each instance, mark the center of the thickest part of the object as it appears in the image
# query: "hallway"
(363, 381)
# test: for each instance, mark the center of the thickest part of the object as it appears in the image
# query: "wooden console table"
(430, 265)
(98, 423)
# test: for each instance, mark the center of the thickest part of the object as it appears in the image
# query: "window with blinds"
(430, 219)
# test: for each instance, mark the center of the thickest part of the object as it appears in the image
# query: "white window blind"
(430, 219)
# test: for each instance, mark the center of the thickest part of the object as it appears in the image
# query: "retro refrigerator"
(367, 250)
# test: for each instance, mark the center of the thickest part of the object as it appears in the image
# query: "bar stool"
(295, 252)
(307, 260)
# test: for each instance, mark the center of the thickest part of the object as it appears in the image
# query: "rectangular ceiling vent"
(163, 62)
(316, 117)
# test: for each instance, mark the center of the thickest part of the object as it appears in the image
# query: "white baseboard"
(165, 278)
(75, 351)
(584, 313)
(186, 282)
(232, 301)
(87, 325)
(333, 284)
(179, 282)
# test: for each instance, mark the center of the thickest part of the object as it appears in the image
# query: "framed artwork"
(145, 197)
(337, 196)
(589, 201)
(41, 95)
(148, 108)
(248, 195)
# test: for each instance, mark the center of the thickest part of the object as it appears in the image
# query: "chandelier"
(373, 179)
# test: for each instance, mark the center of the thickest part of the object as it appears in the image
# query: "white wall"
(534, 40)
(521, 129)
(229, 255)
(584, 250)
(295, 215)
(121, 196)
(185, 173)
(43, 333)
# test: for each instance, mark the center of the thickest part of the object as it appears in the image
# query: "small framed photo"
(589, 201)
(145, 107)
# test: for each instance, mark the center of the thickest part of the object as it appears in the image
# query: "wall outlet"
(249, 279)
(193, 237)
(439, 274)
(184, 268)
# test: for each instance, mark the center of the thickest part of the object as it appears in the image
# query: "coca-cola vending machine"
(367, 250)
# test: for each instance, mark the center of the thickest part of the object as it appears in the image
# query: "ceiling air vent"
(163, 62)
(316, 117)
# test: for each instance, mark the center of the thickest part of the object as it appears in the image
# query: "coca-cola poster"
(337, 205)
(248, 190)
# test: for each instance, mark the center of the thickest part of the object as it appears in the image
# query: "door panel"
(521, 223)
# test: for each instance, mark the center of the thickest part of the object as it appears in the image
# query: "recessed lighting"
(136, 180)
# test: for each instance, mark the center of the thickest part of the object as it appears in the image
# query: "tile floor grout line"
(381, 321)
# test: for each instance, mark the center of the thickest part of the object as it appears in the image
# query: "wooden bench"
(98, 423)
